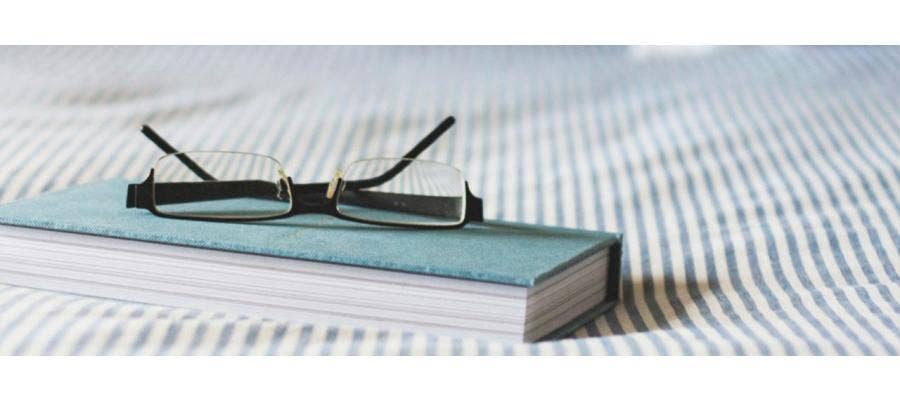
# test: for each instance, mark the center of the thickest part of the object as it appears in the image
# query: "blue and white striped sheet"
(758, 188)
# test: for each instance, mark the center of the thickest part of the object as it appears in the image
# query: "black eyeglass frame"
(306, 198)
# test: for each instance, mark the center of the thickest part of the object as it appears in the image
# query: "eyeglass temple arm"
(166, 147)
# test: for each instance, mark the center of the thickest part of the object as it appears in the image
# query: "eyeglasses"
(234, 186)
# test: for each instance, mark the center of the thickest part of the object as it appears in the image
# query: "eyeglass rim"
(343, 213)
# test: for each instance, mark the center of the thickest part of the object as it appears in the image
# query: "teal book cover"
(499, 252)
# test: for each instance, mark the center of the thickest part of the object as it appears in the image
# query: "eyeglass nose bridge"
(333, 185)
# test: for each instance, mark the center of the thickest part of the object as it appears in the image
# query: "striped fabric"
(758, 188)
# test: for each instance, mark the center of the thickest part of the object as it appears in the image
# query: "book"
(492, 280)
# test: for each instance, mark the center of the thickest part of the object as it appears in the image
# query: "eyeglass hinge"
(333, 185)
(131, 202)
(140, 194)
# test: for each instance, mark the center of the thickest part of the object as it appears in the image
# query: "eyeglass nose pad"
(332, 186)
(283, 189)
